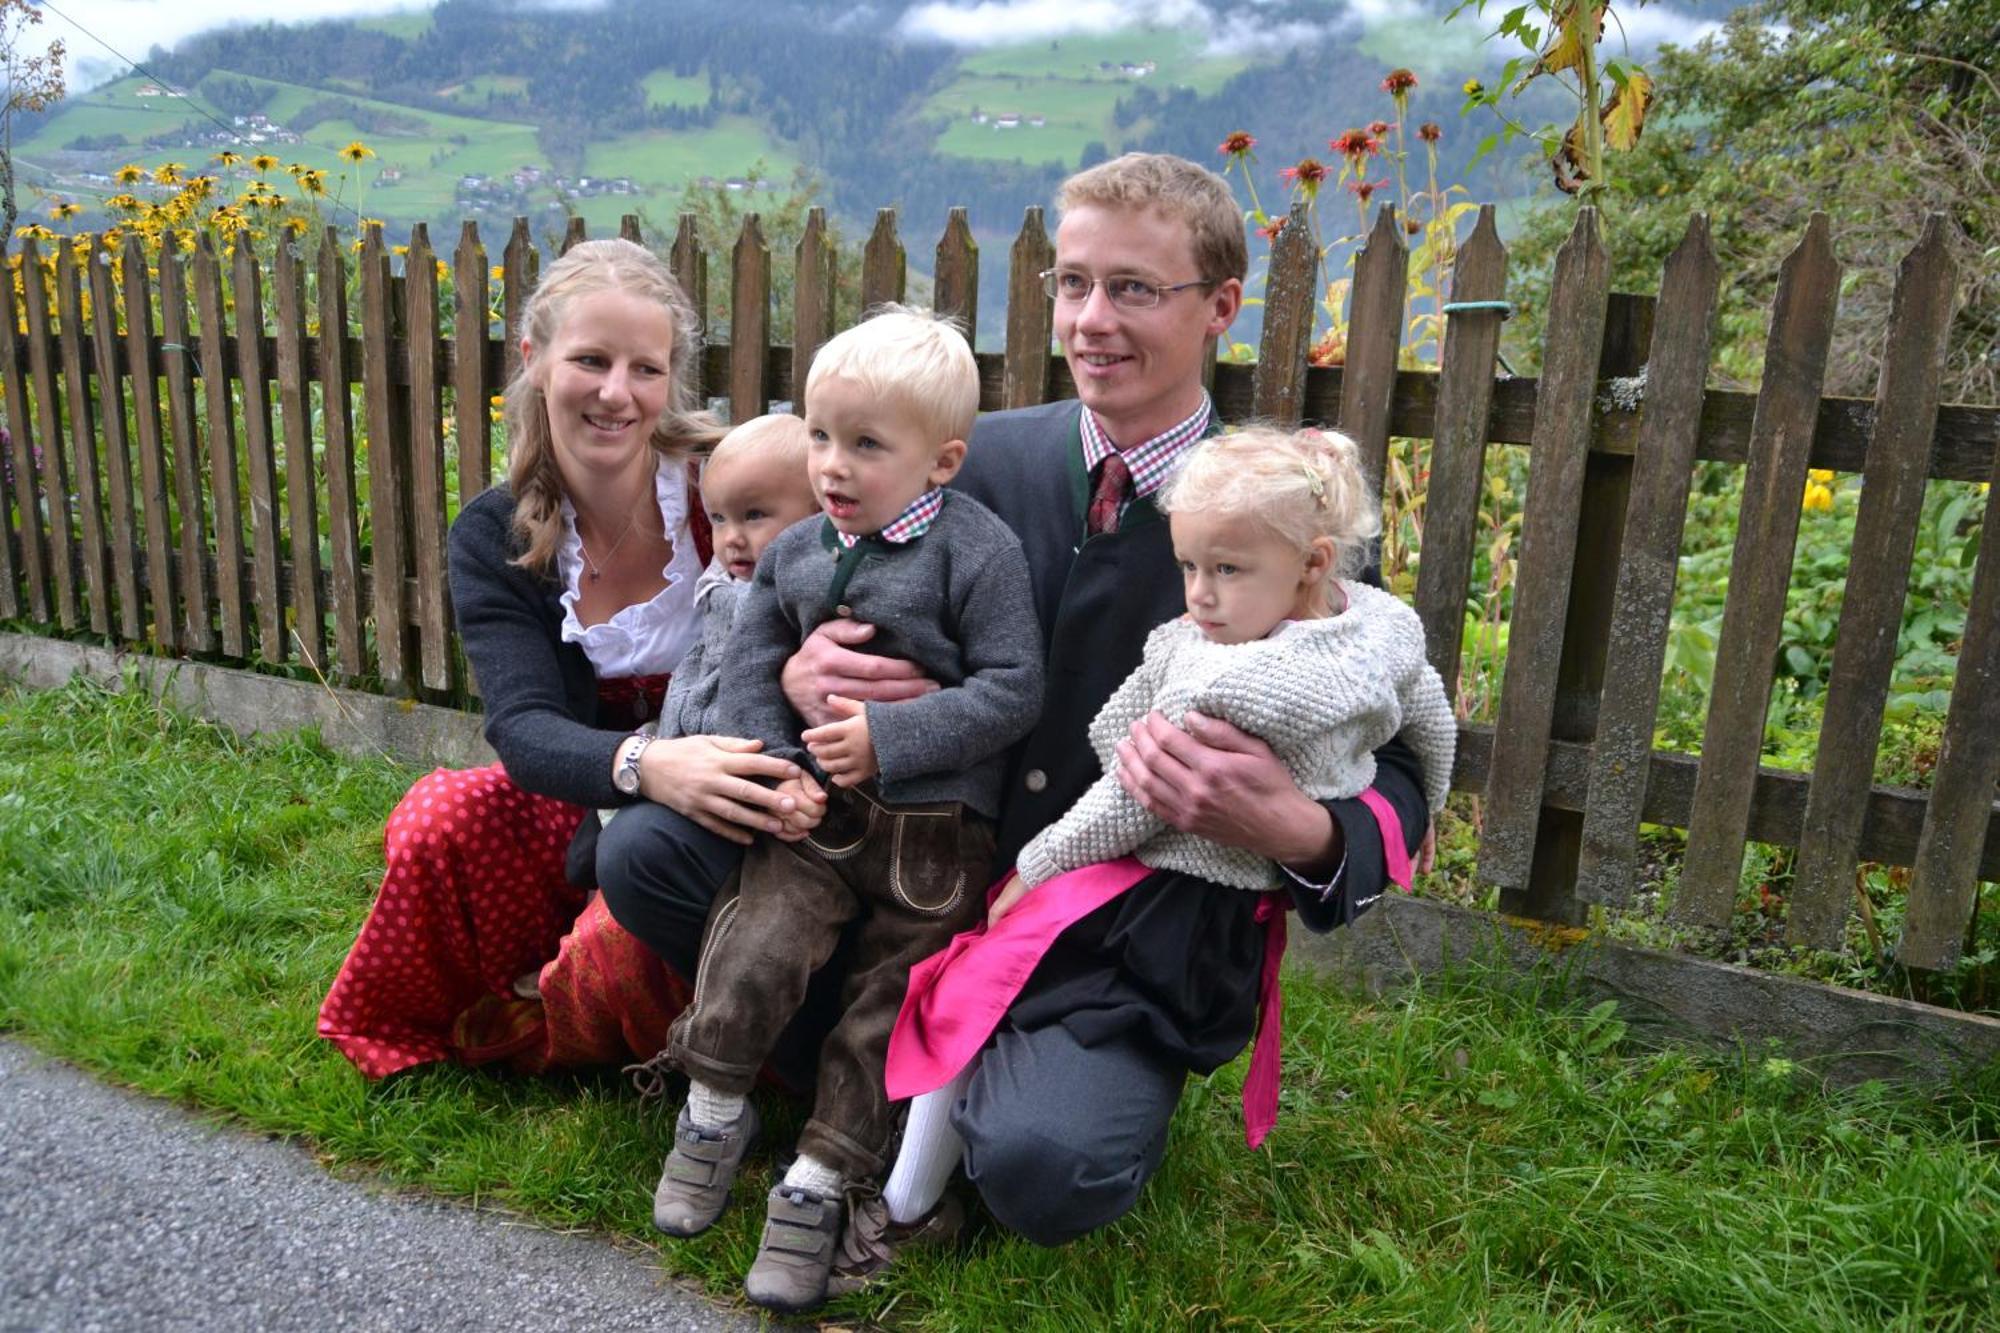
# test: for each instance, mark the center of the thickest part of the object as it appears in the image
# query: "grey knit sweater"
(955, 601)
(1321, 693)
(690, 709)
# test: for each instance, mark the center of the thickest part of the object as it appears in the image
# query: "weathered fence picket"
(813, 290)
(471, 371)
(882, 269)
(1759, 573)
(1563, 405)
(1642, 605)
(690, 265)
(260, 454)
(342, 499)
(388, 483)
(123, 532)
(1871, 613)
(226, 496)
(54, 469)
(1374, 340)
(956, 289)
(1024, 379)
(190, 509)
(750, 324)
(83, 440)
(142, 356)
(427, 462)
(302, 510)
(1277, 392)
(22, 433)
(1458, 446)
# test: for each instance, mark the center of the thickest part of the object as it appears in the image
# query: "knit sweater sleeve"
(508, 640)
(1105, 823)
(751, 699)
(1430, 729)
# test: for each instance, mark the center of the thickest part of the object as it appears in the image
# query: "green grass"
(665, 88)
(173, 902)
(474, 91)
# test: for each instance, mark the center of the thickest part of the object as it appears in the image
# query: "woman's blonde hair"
(1298, 484)
(591, 267)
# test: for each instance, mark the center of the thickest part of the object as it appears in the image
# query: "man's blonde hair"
(912, 357)
(1185, 191)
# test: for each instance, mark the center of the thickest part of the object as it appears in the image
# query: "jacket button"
(1035, 780)
(843, 610)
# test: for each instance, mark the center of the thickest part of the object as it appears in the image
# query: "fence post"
(1278, 385)
(223, 456)
(1540, 664)
(1871, 611)
(55, 472)
(301, 493)
(471, 376)
(342, 509)
(388, 478)
(83, 436)
(427, 466)
(882, 271)
(575, 231)
(812, 300)
(1374, 340)
(1024, 379)
(957, 289)
(178, 355)
(21, 436)
(749, 323)
(254, 371)
(519, 263)
(124, 531)
(142, 360)
(690, 265)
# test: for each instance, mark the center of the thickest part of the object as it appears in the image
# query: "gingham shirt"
(1152, 461)
(907, 526)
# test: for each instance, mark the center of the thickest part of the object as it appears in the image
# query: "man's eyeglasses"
(1125, 292)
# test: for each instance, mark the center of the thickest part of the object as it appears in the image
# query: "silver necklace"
(597, 569)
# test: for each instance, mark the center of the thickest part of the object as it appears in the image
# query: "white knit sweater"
(1323, 694)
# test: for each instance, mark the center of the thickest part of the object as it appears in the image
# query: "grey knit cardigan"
(955, 601)
(1323, 694)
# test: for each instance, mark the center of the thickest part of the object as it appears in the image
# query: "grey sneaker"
(870, 1242)
(800, 1230)
(694, 1184)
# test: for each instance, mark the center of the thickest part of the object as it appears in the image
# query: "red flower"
(1378, 127)
(1238, 144)
(1355, 145)
(1429, 132)
(1308, 174)
(1271, 229)
(1363, 190)
(1399, 83)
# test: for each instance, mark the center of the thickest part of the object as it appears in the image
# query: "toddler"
(1323, 669)
(912, 788)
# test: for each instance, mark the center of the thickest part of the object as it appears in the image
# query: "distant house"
(736, 183)
(1007, 122)
(148, 90)
(980, 118)
(1037, 122)
(1139, 70)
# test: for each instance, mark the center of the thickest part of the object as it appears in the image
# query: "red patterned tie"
(1114, 484)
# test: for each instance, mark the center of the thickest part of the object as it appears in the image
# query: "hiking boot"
(870, 1242)
(801, 1228)
(694, 1184)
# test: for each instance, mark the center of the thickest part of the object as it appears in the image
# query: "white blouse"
(648, 638)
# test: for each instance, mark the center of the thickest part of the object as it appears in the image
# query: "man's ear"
(950, 458)
(1224, 304)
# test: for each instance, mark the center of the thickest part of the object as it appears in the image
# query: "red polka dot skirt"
(478, 950)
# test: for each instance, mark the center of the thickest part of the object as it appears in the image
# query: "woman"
(573, 585)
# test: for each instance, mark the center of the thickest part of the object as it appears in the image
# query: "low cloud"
(1650, 28)
(1226, 26)
(135, 27)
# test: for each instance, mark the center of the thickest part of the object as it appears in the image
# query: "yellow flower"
(65, 210)
(498, 273)
(293, 169)
(1473, 87)
(263, 162)
(312, 181)
(169, 173)
(444, 271)
(130, 174)
(227, 158)
(124, 203)
(297, 226)
(34, 231)
(1818, 497)
(356, 151)
(1822, 475)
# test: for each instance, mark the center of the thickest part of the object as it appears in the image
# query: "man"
(1064, 1126)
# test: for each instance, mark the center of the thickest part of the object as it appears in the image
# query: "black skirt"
(1173, 962)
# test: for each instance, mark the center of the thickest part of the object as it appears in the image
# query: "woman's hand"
(722, 783)
(826, 665)
(1009, 898)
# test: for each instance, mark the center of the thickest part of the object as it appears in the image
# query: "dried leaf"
(1625, 114)
(1567, 164)
(1566, 39)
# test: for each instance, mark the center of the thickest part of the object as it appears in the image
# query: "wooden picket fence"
(310, 572)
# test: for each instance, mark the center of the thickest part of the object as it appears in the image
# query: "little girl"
(1323, 669)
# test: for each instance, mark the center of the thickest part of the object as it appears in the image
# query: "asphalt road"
(122, 1213)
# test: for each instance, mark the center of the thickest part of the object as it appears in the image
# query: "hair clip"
(1314, 484)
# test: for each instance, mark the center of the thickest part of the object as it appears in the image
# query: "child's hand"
(1427, 854)
(1010, 897)
(843, 749)
(808, 808)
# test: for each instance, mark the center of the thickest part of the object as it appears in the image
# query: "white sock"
(809, 1173)
(709, 1109)
(930, 1153)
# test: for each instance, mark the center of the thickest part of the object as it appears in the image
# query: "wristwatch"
(626, 776)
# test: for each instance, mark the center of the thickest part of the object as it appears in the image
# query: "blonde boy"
(912, 787)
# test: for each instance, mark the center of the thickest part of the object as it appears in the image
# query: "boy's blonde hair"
(1178, 188)
(912, 357)
(1298, 484)
(779, 436)
(591, 267)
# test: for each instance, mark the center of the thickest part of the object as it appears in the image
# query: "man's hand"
(808, 808)
(1009, 898)
(1225, 785)
(843, 749)
(827, 664)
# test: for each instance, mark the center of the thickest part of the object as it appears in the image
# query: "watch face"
(626, 780)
